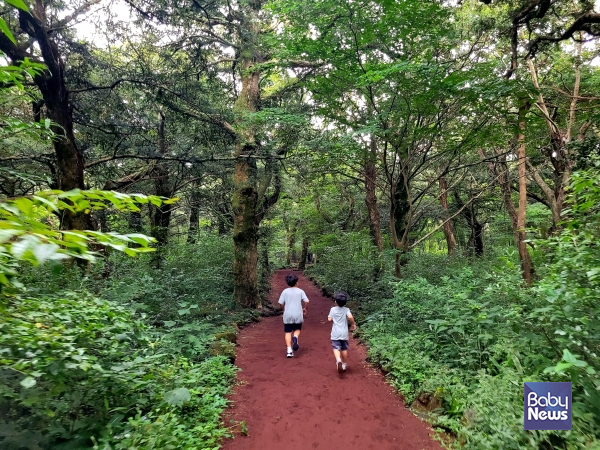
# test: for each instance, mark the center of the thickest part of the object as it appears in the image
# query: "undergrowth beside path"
(465, 334)
(140, 360)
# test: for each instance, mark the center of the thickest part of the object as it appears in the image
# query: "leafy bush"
(28, 234)
(463, 339)
(469, 333)
(77, 368)
(350, 262)
(193, 282)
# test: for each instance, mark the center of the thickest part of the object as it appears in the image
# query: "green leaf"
(177, 397)
(559, 368)
(28, 382)
(572, 359)
(7, 31)
(18, 4)
(44, 252)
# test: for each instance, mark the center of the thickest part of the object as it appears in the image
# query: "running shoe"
(295, 345)
(290, 353)
(339, 366)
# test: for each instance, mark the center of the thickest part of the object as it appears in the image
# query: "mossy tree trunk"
(56, 99)
(245, 196)
(400, 220)
(304, 254)
(290, 255)
(194, 218)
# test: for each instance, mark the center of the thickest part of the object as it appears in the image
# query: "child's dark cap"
(340, 298)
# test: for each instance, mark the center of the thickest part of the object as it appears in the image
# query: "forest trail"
(302, 403)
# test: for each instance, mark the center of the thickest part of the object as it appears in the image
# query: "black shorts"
(290, 327)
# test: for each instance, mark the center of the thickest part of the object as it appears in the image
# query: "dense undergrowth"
(118, 358)
(469, 333)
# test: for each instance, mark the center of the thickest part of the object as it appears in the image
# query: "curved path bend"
(302, 403)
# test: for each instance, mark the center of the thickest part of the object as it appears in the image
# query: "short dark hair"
(340, 298)
(291, 279)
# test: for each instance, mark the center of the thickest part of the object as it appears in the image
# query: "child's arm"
(352, 322)
(305, 301)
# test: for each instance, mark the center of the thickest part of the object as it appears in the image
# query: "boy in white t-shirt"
(340, 316)
(293, 300)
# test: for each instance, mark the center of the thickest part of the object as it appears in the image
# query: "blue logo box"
(548, 406)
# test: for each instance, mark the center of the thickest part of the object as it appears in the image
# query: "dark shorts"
(339, 344)
(290, 327)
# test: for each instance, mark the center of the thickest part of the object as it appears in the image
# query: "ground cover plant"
(468, 333)
(94, 362)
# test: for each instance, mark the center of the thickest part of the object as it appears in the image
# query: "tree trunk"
(245, 234)
(162, 188)
(290, 244)
(500, 171)
(304, 255)
(558, 152)
(245, 195)
(400, 221)
(371, 196)
(194, 218)
(224, 218)
(52, 86)
(476, 237)
(265, 264)
(402, 210)
(450, 240)
(526, 264)
(135, 221)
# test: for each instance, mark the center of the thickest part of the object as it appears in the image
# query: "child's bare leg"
(344, 355)
(336, 353)
(288, 339)
(297, 333)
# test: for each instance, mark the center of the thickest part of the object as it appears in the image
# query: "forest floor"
(302, 403)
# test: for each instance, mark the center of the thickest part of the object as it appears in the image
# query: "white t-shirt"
(339, 315)
(292, 299)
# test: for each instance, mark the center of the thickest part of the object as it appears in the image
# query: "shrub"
(77, 368)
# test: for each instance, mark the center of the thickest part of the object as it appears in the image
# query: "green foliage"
(76, 367)
(139, 367)
(470, 332)
(571, 288)
(349, 262)
(473, 337)
(193, 282)
(28, 233)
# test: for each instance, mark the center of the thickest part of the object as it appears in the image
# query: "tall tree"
(39, 30)
(448, 232)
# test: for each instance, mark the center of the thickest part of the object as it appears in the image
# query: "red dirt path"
(302, 403)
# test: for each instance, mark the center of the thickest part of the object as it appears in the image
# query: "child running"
(293, 300)
(340, 316)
